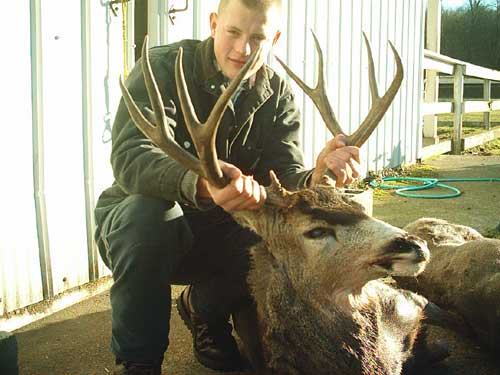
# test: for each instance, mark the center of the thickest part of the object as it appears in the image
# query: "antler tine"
(204, 135)
(379, 105)
(318, 94)
(158, 134)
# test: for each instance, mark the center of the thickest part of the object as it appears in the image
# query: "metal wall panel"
(62, 95)
(339, 25)
(106, 65)
(20, 282)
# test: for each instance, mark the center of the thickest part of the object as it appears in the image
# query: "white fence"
(458, 106)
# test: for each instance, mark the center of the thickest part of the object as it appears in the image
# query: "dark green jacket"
(259, 133)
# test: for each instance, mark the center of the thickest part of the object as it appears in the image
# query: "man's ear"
(213, 23)
(276, 37)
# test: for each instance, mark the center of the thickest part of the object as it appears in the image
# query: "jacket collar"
(204, 68)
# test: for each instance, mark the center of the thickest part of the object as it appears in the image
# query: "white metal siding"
(339, 25)
(62, 94)
(19, 266)
(65, 58)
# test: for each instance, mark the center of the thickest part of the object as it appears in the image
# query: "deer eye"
(319, 232)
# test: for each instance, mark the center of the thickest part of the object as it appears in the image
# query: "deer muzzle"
(405, 255)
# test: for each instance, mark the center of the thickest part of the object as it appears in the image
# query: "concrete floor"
(75, 341)
(478, 206)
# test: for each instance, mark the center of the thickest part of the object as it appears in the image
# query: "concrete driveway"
(75, 341)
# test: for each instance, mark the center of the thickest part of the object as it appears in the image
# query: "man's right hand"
(242, 192)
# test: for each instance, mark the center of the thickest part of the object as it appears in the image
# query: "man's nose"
(243, 47)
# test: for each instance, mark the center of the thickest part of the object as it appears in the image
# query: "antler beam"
(318, 94)
(379, 105)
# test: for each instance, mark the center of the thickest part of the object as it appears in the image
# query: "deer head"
(315, 233)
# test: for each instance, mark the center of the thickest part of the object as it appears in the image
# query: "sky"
(459, 3)
(452, 3)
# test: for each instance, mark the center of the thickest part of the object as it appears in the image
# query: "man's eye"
(320, 232)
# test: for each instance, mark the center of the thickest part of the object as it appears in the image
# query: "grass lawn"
(471, 117)
(489, 148)
(471, 125)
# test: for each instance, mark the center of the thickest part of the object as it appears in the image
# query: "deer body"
(463, 276)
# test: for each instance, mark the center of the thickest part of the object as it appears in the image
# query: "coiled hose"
(426, 183)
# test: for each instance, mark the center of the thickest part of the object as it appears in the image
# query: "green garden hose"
(426, 183)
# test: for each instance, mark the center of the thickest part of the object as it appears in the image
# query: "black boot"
(134, 368)
(213, 344)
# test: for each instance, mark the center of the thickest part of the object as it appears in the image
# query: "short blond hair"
(252, 4)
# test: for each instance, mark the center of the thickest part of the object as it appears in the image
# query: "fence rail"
(458, 69)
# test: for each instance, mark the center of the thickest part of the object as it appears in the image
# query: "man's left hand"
(343, 161)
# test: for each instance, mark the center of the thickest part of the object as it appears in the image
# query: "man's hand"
(343, 161)
(242, 193)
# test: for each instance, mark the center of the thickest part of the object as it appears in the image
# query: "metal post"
(88, 160)
(487, 96)
(196, 19)
(140, 26)
(163, 8)
(458, 98)
(157, 29)
(38, 148)
(431, 90)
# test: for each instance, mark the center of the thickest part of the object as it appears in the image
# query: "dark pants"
(150, 244)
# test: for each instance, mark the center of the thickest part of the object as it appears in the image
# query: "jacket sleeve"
(282, 152)
(139, 167)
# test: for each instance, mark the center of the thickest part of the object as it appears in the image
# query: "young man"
(160, 224)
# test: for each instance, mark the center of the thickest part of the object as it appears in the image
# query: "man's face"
(239, 31)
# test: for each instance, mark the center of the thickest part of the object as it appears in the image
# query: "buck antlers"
(379, 105)
(204, 135)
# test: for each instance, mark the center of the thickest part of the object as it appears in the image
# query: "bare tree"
(472, 33)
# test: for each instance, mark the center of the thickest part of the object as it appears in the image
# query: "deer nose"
(410, 244)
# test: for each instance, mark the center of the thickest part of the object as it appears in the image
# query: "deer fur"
(320, 306)
(463, 275)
